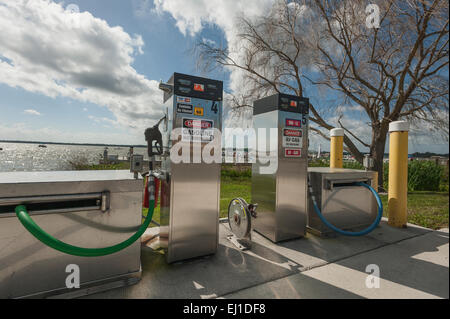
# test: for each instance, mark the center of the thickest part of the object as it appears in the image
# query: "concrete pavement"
(413, 263)
(412, 268)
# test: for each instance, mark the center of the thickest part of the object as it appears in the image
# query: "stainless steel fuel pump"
(190, 189)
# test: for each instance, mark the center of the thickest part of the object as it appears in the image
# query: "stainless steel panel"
(194, 212)
(13, 184)
(291, 200)
(28, 267)
(65, 176)
(264, 186)
(344, 205)
(281, 197)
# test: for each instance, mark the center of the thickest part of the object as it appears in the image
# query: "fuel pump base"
(240, 244)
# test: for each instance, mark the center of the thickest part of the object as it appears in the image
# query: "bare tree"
(394, 71)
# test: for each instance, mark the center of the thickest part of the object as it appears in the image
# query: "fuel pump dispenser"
(190, 190)
(282, 194)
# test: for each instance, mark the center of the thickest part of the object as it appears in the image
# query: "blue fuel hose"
(349, 233)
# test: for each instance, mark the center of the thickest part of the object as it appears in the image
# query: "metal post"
(398, 173)
(336, 147)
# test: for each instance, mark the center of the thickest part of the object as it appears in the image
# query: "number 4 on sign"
(214, 107)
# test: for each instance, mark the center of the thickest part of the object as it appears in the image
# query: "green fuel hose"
(40, 234)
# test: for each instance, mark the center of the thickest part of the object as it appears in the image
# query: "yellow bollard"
(336, 147)
(398, 174)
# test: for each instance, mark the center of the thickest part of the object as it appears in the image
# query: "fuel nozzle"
(153, 134)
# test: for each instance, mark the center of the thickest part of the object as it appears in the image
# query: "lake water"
(31, 157)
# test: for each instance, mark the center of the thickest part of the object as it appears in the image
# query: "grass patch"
(426, 209)
(231, 188)
(100, 167)
(156, 215)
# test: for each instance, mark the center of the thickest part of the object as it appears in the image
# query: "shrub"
(443, 187)
(422, 176)
(78, 163)
(353, 165)
(326, 163)
(237, 171)
(385, 175)
(81, 163)
(318, 163)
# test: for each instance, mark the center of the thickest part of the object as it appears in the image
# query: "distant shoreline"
(416, 154)
(70, 144)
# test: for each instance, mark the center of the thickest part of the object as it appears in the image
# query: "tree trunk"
(353, 149)
(379, 136)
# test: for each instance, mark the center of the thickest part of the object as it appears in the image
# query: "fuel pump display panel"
(197, 117)
(281, 102)
(198, 87)
(290, 132)
(194, 86)
(197, 107)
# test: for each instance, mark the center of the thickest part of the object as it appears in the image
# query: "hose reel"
(240, 215)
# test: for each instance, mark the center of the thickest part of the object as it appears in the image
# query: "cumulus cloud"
(192, 15)
(47, 49)
(31, 112)
(103, 120)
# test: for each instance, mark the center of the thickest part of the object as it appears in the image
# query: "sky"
(87, 71)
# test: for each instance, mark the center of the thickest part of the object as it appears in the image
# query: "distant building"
(439, 160)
